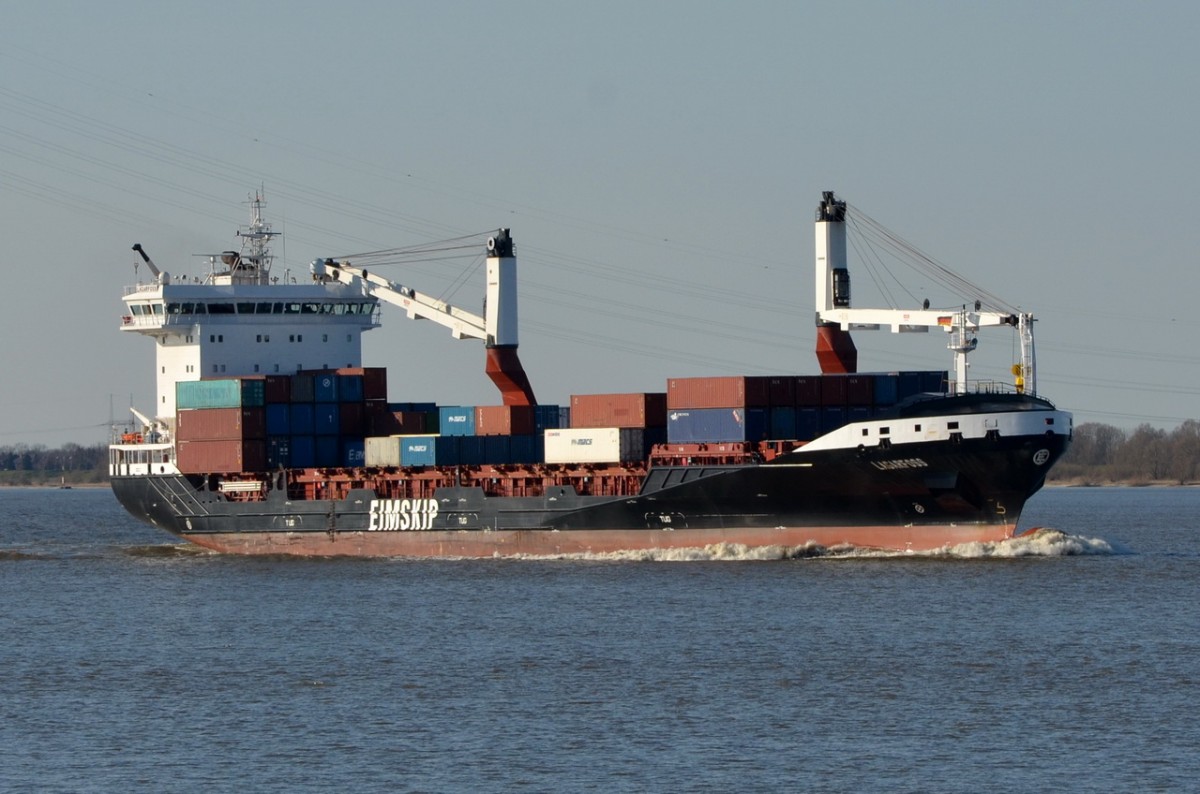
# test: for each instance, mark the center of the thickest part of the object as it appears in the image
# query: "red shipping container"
(277, 389)
(504, 420)
(833, 390)
(647, 409)
(808, 391)
(353, 419)
(737, 391)
(860, 389)
(782, 391)
(213, 424)
(221, 457)
(411, 423)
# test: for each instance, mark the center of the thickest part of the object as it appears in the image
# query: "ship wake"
(1035, 543)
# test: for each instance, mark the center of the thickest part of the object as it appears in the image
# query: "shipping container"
(503, 420)
(303, 388)
(329, 452)
(833, 390)
(304, 451)
(934, 381)
(456, 420)
(647, 409)
(808, 391)
(220, 424)
(352, 421)
(908, 384)
(325, 387)
(781, 390)
(808, 423)
(886, 388)
(326, 420)
(279, 419)
(707, 425)
(225, 456)
(350, 388)
(860, 389)
(279, 452)
(737, 391)
(429, 450)
(382, 451)
(219, 393)
(545, 417)
(858, 413)
(374, 382)
(782, 422)
(595, 445)
(832, 417)
(353, 453)
(527, 449)
(277, 389)
(471, 450)
(303, 418)
(497, 450)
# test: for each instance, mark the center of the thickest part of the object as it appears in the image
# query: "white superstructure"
(238, 319)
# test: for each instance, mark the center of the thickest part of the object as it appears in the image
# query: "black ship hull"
(912, 496)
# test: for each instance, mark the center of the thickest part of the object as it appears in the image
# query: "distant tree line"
(25, 464)
(1102, 453)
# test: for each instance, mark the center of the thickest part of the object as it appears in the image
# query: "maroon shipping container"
(352, 419)
(374, 380)
(833, 390)
(504, 420)
(808, 391)
(227, 456)
(277, 388)
(782, 391)
(647, 409)
(737, 391)
(220, 424)
(860, 389)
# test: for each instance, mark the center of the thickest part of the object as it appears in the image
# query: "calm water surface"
(1070, 662)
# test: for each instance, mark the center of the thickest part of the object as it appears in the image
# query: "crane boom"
(497, 328)
(835, 317)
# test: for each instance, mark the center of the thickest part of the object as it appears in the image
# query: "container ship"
(270, 436)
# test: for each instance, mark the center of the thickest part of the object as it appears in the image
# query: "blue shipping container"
(350, 388)
(471, 450)
(832, 419)
(279, 419)
(327, 419)
(546, 417)
(456, 420)
(887, 387)
(325, 387)
(429, 450)
(808, 423)
(329, 452)
(353, 453)
(304, 452)
(303, 418)
(715, 425)
(279, 452)
(497, 450)
(528, 449)
(783, 422)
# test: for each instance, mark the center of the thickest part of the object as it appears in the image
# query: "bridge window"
(245, 308)
(220, 308)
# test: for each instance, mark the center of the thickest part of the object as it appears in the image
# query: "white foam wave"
(1039, 543)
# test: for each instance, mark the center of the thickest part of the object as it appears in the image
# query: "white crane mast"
(833, 306)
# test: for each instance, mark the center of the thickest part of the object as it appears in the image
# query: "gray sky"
(659, 165)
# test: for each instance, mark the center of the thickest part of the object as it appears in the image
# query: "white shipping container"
(382, 451)
(595, 445)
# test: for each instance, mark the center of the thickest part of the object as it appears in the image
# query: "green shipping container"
(219, 393)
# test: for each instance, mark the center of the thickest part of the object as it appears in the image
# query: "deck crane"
(835, 318)
(497, 328)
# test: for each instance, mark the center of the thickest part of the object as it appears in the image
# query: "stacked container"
(220, 426)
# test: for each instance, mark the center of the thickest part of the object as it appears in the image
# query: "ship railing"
(987, 387)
